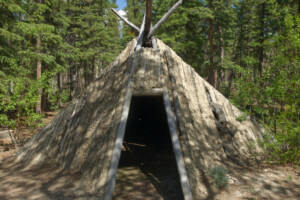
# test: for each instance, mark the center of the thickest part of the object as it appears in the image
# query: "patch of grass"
(242, 117)
(288, 179)
(254, 191)
(219, 176)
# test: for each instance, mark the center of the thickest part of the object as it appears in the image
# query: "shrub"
(18, 97)
(284, 146)
(219, 176)
(242, 117)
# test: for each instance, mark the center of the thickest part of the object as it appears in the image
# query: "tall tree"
(94, 34)
(261, 38)
(185, 30)
(213, 74)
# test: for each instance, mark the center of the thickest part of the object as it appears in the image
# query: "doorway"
(147, 166)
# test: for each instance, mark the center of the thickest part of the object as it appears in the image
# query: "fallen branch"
(13, 139)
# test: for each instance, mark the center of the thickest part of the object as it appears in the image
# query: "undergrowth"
(219, 176)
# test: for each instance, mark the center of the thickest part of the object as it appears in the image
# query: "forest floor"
(256, 182)
(260, 182)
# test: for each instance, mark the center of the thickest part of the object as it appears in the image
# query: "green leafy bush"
(283, 147)
(242, 117)
(219, 176)
(18, 99)
(274, 97)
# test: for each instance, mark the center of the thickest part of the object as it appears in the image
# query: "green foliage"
(17, 102)
(135, 12)
(57, 97)
(284, 147)
(219, 176)
(256, 49)
(242, 117)
(75, 36)
(95, 37)
(183, 30)
(274, 97)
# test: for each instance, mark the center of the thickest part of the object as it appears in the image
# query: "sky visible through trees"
(121, 4)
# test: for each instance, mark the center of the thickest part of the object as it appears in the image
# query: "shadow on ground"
(282, 182)
(146, 174)
(41, 183)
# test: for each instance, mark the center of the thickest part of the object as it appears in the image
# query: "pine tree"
(183, 31)
(95, 36)
(274, 95)
(28, 53)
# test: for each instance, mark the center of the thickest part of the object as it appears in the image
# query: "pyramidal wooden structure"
(87, 135)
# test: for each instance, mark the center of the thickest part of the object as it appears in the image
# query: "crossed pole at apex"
(147, 31)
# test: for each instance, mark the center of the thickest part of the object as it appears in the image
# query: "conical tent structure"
(87, 135)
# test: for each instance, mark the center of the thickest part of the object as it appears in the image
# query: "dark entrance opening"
(147, 167)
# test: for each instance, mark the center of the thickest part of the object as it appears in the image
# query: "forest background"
(51, 50)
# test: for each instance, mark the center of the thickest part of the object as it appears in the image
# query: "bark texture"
(82, 137)
(39, 74)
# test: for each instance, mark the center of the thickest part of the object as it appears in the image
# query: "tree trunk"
(93, 75)
(222, 53)
(96, 70)
(45, 106)
(59, 81)
(38, 75)
(261, 47)
(81, 78)
(71, 83)
(212, 72)
(135, 10)
(59, 85)
(86, 75)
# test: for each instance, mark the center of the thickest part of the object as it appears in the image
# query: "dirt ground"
(131, 178)
(36, 184)
(261, 182)
(7, 146)
(281, 182)
(147, 183)
(136, 183)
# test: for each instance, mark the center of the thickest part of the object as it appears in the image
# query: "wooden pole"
(126, 21)
(148, 16)
(164, 18)
(141, 35)
(148, 24)
(153, 40)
